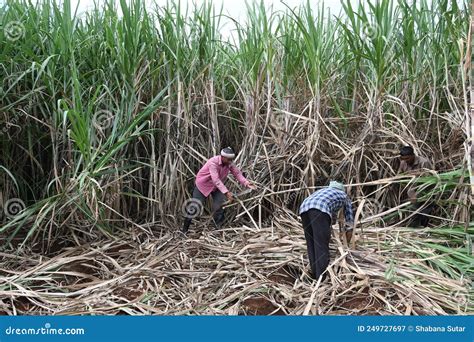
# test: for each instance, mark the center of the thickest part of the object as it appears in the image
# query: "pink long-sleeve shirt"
(212, 175)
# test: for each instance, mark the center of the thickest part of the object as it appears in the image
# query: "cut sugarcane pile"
(238, 270)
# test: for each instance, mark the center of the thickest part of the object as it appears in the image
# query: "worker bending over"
(210, 181)
(317, 212)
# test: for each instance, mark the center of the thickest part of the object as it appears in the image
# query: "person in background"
(411, 163)
(317, 212)
(210, 181)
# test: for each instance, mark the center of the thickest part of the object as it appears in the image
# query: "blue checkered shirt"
(329, 200)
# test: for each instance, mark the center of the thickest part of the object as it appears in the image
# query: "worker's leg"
(425, 212)
(218, 199)
(414, 221)
(193, 208)
(308, 234)
(321, 229)
(422, 217)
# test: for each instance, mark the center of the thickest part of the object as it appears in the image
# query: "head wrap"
(228, 152)
(336, 185)
(407, 151)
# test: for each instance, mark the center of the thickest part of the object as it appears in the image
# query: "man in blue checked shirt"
(317, 212)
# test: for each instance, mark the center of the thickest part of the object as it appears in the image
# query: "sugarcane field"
(286, 158)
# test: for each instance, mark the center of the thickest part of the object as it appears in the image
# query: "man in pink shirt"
(209, 181)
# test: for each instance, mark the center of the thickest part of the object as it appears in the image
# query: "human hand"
(345, 237)
(251, 186)
(229, 196)
(349, 236)
(412, 196)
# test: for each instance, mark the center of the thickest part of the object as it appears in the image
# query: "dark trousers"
(317, 231)
(218, 199)
(422, 217)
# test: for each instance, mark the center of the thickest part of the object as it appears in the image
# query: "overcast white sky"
(236, 8)
(233, 8)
